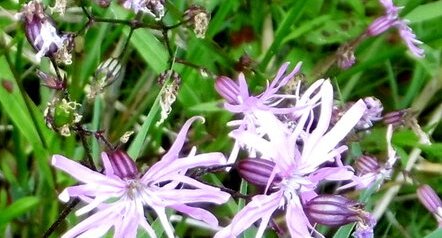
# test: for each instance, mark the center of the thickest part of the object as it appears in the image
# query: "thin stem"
(82, 133)
(66, 210)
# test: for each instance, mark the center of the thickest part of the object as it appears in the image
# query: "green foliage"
(269, 33)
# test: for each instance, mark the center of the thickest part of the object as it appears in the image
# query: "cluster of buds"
(62, 115)
(43, 36)
(197, 18)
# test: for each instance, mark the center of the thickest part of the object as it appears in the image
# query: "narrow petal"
(260, 206)
(80, 172)
(172, 197)
(197, 213)
(297, 222)
(166, 169)
(180, 139)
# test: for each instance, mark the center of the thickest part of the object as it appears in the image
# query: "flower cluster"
(295, 150)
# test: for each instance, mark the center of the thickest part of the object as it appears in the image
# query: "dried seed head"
(345, 57)
(42, 34)
(197, 18)
(169, 93)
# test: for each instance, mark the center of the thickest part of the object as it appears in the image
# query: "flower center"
(293, 185)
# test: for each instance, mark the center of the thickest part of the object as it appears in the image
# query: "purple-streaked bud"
(380, 25)
(123, 166)
(257, 171)
(333, 210)
(228, 89)
(395, 118)
(366, 164)
(428, 197)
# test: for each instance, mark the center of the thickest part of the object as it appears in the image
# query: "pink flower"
(239, 101)
(118, 196)
(378, 173)
(299, 157)
(391, 19)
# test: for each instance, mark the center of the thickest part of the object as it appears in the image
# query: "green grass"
(270, 33)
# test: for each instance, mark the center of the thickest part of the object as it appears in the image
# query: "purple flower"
(378, 174)
(299, 158)
(239, 101)
(392, 19)
(119, 195)
(373, 113)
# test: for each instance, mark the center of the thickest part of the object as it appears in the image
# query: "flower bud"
(366, 164)
(257, 171)
(428, 197)
(50, 81)
(228, 89)
(332, 210)
(336, 210)
(395, 118)
(123, 166)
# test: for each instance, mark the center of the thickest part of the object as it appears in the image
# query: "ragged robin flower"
(117, 198)
(302, 160)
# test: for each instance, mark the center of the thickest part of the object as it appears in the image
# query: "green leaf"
(18, 208)
(425, 12)
(344, 231)
(435, 234)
